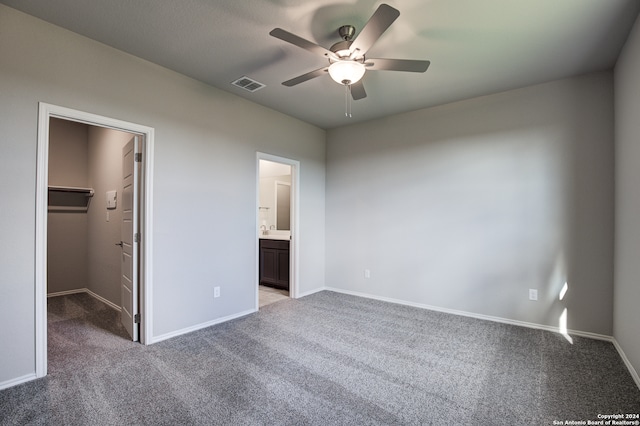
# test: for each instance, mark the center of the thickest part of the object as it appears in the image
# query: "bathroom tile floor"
(269, 295)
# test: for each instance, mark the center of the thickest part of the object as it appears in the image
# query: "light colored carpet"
(325, 359)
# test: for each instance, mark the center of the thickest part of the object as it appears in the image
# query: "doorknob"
(119, 244)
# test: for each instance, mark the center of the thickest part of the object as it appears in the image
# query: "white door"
(130, 238)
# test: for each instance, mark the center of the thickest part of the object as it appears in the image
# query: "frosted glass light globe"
(346, 71)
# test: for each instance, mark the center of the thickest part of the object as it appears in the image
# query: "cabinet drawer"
(275, 244)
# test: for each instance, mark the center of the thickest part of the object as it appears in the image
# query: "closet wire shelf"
(69, 199)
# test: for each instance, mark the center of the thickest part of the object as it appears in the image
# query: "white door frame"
(295, 223)
(45, 112)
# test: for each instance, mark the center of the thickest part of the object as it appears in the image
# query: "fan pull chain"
(347, 100)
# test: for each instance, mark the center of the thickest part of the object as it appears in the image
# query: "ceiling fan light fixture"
(346, 71)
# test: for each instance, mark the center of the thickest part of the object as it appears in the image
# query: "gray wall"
(67, 231)
(627, 267)
(468, 205)
(204, 199)
(105, 174)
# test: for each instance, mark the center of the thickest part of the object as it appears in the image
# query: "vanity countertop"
(275, 235)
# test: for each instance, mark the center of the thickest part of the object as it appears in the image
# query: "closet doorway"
(93, 217)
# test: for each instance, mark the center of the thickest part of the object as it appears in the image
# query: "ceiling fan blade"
(304, 77)
(382, 19)
(408, 65)
(300, 42)
(357, 91)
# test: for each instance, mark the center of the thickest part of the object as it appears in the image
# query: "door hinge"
(136, 237)
(138, 157)
(136, 318)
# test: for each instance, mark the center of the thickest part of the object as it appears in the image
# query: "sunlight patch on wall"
(563, 291)
(562, 325)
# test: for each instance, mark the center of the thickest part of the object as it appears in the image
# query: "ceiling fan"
(347, 58)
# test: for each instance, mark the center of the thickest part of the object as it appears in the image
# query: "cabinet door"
(268, 266)
(274, 263)
(283, 269)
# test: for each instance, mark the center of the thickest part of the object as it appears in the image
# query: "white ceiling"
(476, 47)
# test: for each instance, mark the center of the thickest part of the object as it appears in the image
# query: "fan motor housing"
(341, 48)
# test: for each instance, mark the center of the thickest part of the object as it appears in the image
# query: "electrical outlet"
(367, 273)
(533, 294)
(216, 292)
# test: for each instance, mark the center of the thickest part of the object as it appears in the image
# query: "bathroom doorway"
(276, 223)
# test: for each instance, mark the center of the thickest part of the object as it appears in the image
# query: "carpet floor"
(325, 359)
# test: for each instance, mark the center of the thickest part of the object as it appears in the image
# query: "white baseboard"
(473, 315)
(186, 330)
(17, 381)
(632, 371)
(103, 300)
(66, 293)
(309, 293)
(90, 293)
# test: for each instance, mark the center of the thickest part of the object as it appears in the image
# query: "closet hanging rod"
(87, 191)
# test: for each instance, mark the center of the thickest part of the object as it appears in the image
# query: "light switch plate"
(111, 199)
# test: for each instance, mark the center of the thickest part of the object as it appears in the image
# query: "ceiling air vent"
(248, 84)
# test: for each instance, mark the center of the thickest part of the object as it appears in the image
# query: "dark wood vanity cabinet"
(274, 263)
